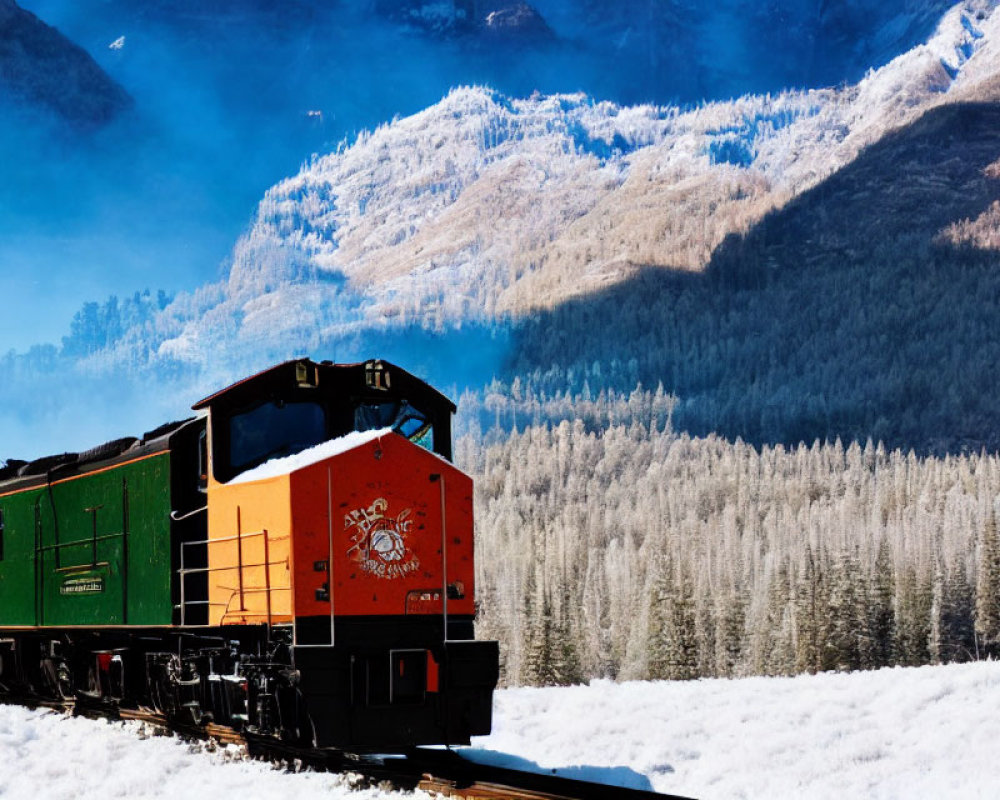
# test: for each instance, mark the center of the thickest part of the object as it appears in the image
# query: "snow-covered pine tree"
(988, 587)
(730, 642)
(881, 618)
(673, 645)
(811, 613)
(935, 635)
(913, 614)
(842, 646)
(957, 616)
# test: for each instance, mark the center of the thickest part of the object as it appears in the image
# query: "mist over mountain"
(561, 243)
(231, 97)
(38, 65)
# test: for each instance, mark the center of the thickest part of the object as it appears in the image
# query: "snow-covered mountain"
(485, 207)
(436, 238)
(232, 96)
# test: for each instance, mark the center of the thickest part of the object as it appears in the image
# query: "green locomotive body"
(87, 541)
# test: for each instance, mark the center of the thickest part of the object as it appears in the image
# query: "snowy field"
(900, 733)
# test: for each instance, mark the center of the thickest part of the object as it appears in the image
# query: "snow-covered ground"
(899, 733)
(896, 733)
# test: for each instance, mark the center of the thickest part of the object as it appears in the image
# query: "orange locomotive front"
(336, 521)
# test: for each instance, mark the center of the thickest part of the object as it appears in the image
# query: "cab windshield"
(282, 428)
(273, 430)
(404, 419)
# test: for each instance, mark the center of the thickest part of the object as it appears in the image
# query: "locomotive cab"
(336, 520)
(300, 404)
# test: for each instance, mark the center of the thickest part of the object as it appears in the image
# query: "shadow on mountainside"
(845, 313)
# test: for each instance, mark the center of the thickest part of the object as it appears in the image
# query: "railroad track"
(441, 772)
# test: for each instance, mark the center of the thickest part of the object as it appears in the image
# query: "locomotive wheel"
(58, 678)
(6, 665)
(161, 682)
(170, 693)
(55, 674)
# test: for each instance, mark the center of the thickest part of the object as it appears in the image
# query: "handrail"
(88, 541)
(234, 538)
(249, 591)
(240, 566)
(176, 516)
(197, 570)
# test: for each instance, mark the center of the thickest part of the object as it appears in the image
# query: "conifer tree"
(775, 649)
(673, 646)
(540, 666)
(881, 617)
(988, 587)
(913, 614)
(812, 610)
(568, 670)
(731, 630)
(659, 658)
(957, 616)
(705, 635)
(842, 649)
(936, 631)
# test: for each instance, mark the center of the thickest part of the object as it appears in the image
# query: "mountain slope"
(849, 312)
(483, 206)
(39, 65)
(577, 239)
(232, 96)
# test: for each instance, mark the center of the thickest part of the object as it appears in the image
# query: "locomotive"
(295, 561)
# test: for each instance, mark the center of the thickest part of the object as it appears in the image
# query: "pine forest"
(632, 551)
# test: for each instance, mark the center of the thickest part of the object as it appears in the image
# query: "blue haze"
(223, 94)
(234, 95)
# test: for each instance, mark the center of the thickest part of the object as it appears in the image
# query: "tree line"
(635, 551)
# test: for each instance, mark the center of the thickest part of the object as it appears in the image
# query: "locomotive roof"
(351, 379)
(366, 378)
(17, 475)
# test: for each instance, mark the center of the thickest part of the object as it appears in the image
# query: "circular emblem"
(378, 540)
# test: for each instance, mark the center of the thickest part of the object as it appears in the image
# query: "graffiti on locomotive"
(378, 541)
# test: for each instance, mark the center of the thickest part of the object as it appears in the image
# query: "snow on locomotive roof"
(288, 464)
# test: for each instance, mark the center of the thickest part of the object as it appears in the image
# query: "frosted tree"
(936, 633)
(842, 647)
(957, 622)
(812, 609)
(572, 523)
(773, 639)
(988, 587)
(914, 596)
(673, 648)
(881, 617)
